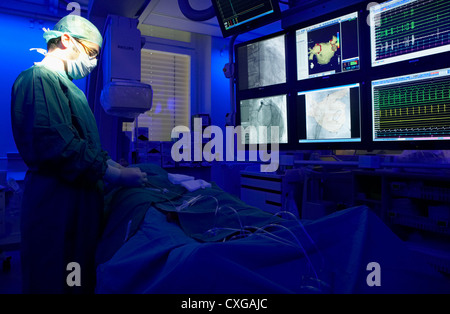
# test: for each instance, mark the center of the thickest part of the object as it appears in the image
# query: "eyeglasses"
(92, 53)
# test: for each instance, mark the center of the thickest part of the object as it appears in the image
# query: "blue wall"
(18, 35)
(220, 85)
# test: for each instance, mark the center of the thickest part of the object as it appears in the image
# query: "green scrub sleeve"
(54, 128)
(72, 156)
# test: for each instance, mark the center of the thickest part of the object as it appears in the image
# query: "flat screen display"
(329, 115)
(262, 63)
(408, 29)
(412, 107)
(240, 16)
(328, 48)
(260, 114)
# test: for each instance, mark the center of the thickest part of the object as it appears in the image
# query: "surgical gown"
(57, 137)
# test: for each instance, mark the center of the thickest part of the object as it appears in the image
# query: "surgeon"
(57, 137)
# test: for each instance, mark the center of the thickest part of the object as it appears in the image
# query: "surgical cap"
(77, 27)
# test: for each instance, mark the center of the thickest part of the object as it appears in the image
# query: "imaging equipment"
(123, 93)
(359, 50)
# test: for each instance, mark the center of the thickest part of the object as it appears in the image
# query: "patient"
(155, 243)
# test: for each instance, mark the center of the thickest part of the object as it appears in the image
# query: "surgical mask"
(82, 66)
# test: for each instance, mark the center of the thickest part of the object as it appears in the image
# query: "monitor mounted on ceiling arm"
(241, 16)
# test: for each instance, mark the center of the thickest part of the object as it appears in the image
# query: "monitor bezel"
(404, 144)
(281, 146)
(364, 76)
(412, 60)
(326, 19)
(330, 143)
(257, 22)
(238, 61)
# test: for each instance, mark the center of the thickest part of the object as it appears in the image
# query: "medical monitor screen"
(258, 115)
(240, 16)
(262, 63)
(328, 48)
(413, 107)
(329, 115)
(408, 29)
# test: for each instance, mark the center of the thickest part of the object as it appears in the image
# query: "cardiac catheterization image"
(264, 112)
(266, 62)
(324, 50)
(328, 113)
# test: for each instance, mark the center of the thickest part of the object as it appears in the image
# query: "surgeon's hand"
(132, 177)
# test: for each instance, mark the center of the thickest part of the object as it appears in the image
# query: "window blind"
(169, 74)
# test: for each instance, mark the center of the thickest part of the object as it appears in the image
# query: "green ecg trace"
(421, 106)
(422, 24)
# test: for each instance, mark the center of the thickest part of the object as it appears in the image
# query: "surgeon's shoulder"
(37, 72)
(35, 76)
(42, 71)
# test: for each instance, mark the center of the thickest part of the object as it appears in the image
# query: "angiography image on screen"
(264, 112)
(328, 48)
(262, 63)
(330, 114)
(406, 29)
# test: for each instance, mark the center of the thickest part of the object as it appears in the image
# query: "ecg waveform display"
(236, 12)
(406, 29)
(415, 107)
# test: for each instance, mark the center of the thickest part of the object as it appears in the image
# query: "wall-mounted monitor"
(241, 16)
(403, 30)
(329, 115)
(261, 114)
(412, 108)
(329, 47)
(261, 63)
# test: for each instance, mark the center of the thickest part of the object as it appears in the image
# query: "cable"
(299, 245)
(213, 232)
(185, 204)
(305, 232)
(163, 193)
(245, 231)
(234, 211)
(272, 236)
